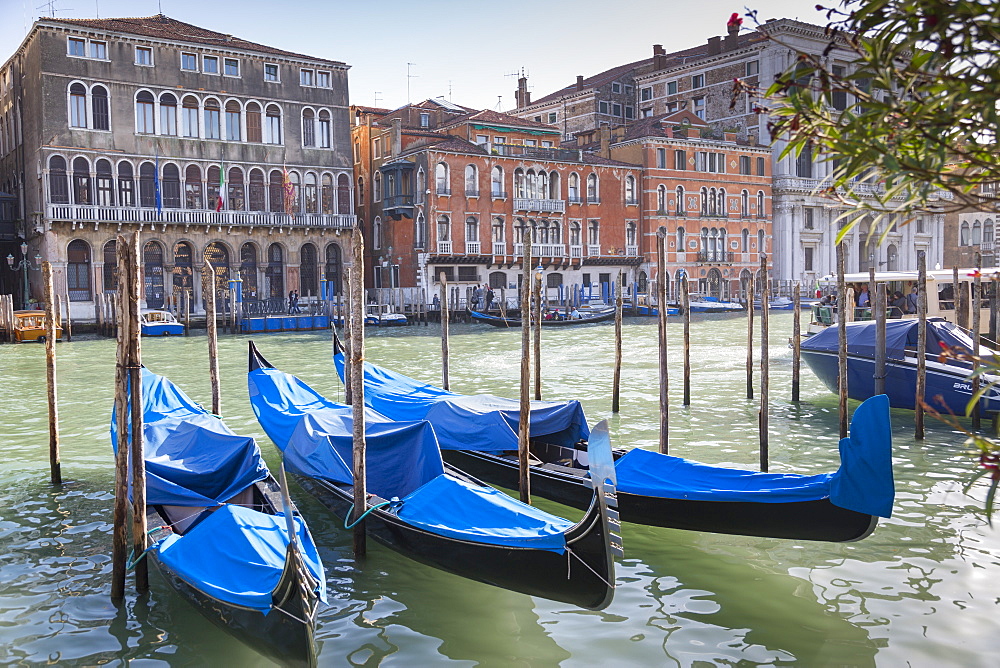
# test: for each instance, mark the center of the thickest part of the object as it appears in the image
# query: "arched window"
(212, 186)
(661, 200)
(248, 270)
(325, 129)
(444, 228)
(58, 183)
(642, 283)
(574, 234)
(308, 271)
(498, 279)
(189, 116)
(327, 194)
(377, 187)
(542, 232)
(497, 232)
(193, 188)
(420, 232)
(254, 133)
(892, 257)
(707, 242)
(82, 190)
(593, 194)
(234, 131)
(101, 108)
(78, 106)
(680, 240)
(152, 273)
(213, 121)
(555, 232)
(720, 207)
(554, 189)
(109, 273)
(760, 242)
(217, 255)
(147, 185)
(105, 183)
(258, 191)
(441, 179)
(988, 231)
(235, 190)
(520, 186)
(275, 192)
(170, 186)
(594, 234)
(183, 265)
(977, 228)
(126, 184)
(531, 184)
(681, 203)
(377, 233)
(574, 187)
(168, 114)
(471, 229)
(421, 185)
(543, 185)
(471, 180)
(144, 113)
(308, 127)
(361, 191)
(745, 241)
(630, 234)
(704, 201)
(760, 204)
(334, 269)
(296, 197)
(78, 270)
(273, 135)
(630, 190)
(275, 272)
(343, 194)
(745, 204)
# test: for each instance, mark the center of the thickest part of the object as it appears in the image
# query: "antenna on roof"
(499, 98)
(408, 77)
(51, 6)
(378, 97)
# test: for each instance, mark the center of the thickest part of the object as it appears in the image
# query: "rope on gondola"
(132, 564)
(569, 551)
(349, 512)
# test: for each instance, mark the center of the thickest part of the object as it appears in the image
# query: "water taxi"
(31, 326)
(160, 323)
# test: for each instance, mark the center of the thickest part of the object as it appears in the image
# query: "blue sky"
(460, 49)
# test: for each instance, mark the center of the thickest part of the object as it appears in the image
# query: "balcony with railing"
(535, 152)
(632, 251)
(499, 247)
(498, 194)
(444, 247)
(539, 205)
(542, 250)
(472, 247)
(472, 192)
(574, 199)
(103, 214)
(443, 190)
(593, 250)
(715, 257)
(576, 251)
(398, 205)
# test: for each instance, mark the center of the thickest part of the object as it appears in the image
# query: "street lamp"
(24, 265)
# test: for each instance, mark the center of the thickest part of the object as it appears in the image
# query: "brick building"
(217, 149)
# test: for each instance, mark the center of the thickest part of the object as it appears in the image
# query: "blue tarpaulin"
(863, 483)
(480, 422)
(899, 334)
(237, 555)
(192, 457)
(402, 459)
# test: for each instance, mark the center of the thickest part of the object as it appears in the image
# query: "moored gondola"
(224, 535)
(653, 489)
(440, 517)
(561, 321)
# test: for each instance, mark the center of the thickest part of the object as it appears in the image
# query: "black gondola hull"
(516, 322)
(802, 520)
(583, 578)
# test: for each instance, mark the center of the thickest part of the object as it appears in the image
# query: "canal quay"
(920, 591)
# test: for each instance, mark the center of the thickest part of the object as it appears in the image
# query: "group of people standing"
(483, 297)
(898, 302)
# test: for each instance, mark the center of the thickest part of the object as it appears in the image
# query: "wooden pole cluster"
(845, 307)
(537, 340)
(213, 337)
(918, 409)
(445, 383)
(55, 467)
(976, 306)
(880, 306)
(796, 342)
(751, 289)
(524, 418)
(686, 308)
(358, 392)
(661, 309)
(762, 422)
(67, 321)
(128, 415)
(7, 316)
(616, 384)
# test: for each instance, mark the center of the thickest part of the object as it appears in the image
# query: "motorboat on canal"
(30, 325)
(948, 387)
(160, 323)
(382, 315)
(225, 535)
(713, 305)
(433, 513)
(478, 434)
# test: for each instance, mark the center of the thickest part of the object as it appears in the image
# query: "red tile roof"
(499, 118)
(164, 27)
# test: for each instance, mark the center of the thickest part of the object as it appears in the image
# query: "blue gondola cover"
(479, 422)
(237, 555)
(899, 334)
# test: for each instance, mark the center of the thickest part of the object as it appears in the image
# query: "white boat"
(160, 323)
(381, 315)
(713, 305)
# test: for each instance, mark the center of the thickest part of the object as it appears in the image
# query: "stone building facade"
(217, 149)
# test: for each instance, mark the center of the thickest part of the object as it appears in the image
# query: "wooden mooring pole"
(358, 392)
(524, 418)
(616, 384)
(880, 305)
(845, 306)
(137, 452)
(445, 352)
(751, 289)
(55, 466)
(765, 357)
(918, 409)
(796, 342)
(537, 339)
(685, 305)
(119, 534)
(213, 337)
(661, 308)
(976, 306)
(67, 319)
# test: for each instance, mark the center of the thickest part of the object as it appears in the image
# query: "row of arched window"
(530, 184)
(263, 276)
(714, 242)
(713, 202)
(979, 232)
(241, 189)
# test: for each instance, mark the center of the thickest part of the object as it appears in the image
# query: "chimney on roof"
(229, 38)
(397, 136)
(714, 46)
(522, 98)
(659, 57)
(579, 82)
(605, 134)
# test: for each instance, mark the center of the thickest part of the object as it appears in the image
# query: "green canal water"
(921, 591)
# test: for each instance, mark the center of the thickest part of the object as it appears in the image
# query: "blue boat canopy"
(863, 483)
(899, 334)
(237, 555)
(479, 422)
(192, 457)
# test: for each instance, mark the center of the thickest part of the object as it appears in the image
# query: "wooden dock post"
(67, 319)
(524, 418)
(445, 314)
(845, 307)
(765, 358)
(55, 466)
(880, 307)
(751, 289)
(137, 452)
(119, 536)
(536, 282)
(213, 337)
(976, 306)
(616, 384)
(188, 296)
(685, 305)
(358, 392)
(661, 309)
(796, 341)
(918, 409)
